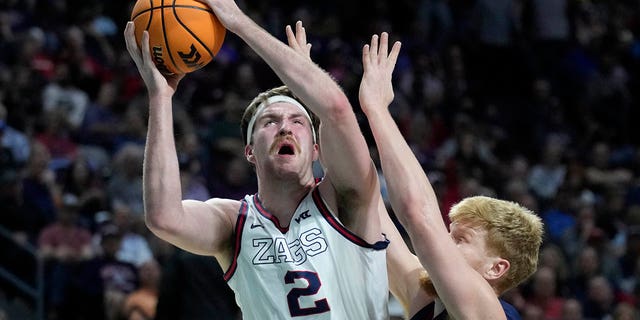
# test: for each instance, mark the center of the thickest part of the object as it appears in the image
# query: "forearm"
(409, 188)
(403, 268)
(161, 176)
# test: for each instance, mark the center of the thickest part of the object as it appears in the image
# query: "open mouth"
(286, 149)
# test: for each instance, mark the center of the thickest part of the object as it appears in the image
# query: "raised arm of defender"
(414, 200)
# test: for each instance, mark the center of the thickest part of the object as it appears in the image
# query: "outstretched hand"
(156, 82)
(298, 41)
(376, 89)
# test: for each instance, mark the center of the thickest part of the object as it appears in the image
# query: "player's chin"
(285, 158)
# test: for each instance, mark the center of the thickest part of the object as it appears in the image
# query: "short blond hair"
(513, 232)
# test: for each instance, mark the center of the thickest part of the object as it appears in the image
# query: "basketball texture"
(184, 35)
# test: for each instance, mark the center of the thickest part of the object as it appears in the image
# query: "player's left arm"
(350, 183)
(465, 293)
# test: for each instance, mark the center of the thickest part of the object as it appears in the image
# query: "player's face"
(283, 139)
(472, 243)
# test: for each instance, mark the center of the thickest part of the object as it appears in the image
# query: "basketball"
(184, 35)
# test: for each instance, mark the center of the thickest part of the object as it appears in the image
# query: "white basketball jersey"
(314, 269)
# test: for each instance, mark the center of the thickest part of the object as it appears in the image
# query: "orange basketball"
(184, 35)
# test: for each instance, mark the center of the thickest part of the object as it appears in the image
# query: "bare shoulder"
(227, 207)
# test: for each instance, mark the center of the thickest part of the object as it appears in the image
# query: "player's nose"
(285, 128)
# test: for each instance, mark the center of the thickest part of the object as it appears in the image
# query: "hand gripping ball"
(184, 35)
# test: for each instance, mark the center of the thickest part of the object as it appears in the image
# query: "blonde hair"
(262, 97)
(513, 232)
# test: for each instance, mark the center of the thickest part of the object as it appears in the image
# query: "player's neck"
(282, 199)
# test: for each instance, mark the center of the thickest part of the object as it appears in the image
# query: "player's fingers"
(393, 55)
(301, 33)
(373, 51)
(291, 38)
(129, 38)
(146, 56)
(384, 45)
(365, 56)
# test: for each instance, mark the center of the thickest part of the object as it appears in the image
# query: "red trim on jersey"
(268, 215)
(340, 228)
(242, 218)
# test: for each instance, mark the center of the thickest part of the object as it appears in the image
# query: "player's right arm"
(403, 268)
(199, 227)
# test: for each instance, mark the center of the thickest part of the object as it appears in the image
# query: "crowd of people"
(530, 101)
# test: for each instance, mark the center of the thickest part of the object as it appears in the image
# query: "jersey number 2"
(314, 285)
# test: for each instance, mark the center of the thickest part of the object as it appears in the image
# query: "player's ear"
(316, 151)
(248, 153)
(499, 268)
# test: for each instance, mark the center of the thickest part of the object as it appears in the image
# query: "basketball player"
(492, 246)
(299, 248)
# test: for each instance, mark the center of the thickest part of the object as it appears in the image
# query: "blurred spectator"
(192, 288)
(193, 187)
(125, 184)
(141, 304)
(434, 21)
(102, 122)
(39, 191)
(630, 265)
(56, 136)
(14, 140)
(591, 263)
(467, 152)
(551, 256)
(494, 25)
(234, 179)
(532, 312)
(134, 126)
(545, 293)
(84, 180)
(64, 97)
(584, 232)
(600, 174)
(100, 285)
(599, 303)
(63, 245)
(134, 247)
(625, 311)
(547, 176)
(547, 24)
(558, 216)
(572, 310)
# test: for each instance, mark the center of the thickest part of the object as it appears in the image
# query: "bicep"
(205, 228)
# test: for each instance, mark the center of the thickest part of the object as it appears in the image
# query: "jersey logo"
(302, 216)
(277, 250)
(256, 224)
